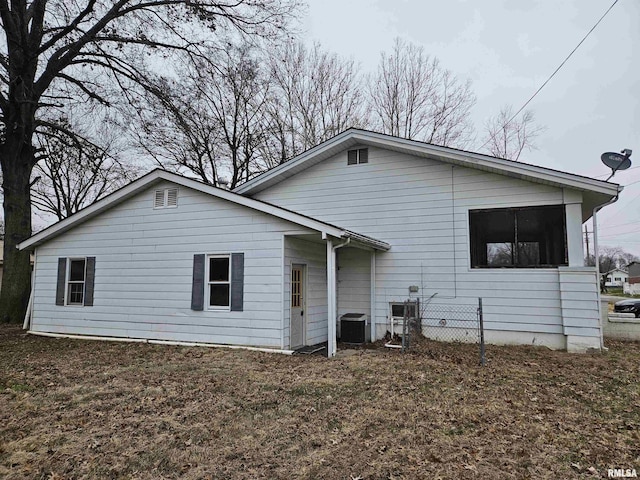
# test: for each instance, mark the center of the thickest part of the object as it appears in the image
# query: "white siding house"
(275, 263)
(616, 278)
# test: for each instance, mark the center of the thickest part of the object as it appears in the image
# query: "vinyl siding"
(144, 261)
(314, 256)
(421, 207)
(354, 281)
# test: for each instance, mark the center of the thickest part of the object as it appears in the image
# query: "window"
(360, 155)
(618, 279)
(296, 287)
(165, 198)
(518, 237)
(75, 281)
(219, 282)
(397, 310)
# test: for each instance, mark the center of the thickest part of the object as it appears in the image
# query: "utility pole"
(586, 239)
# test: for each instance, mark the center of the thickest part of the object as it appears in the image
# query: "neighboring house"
(632, 287)
(345, 227)
(634, 272)
(616, 278)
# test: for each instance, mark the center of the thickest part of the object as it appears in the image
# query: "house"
(634, 272)
(348, 226)
(616, 278)
(632, 286)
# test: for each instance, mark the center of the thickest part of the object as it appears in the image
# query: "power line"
(607, 174)
(635, 229)
(621, 224)
(632, 183)
(492, 137)
(621, 210)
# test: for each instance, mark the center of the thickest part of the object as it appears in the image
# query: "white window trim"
(67, 281)
(358, 150)
(207, 292)
(510, 270)
(165, 201)
(392, 304)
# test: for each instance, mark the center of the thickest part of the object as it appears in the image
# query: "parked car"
(628, 306)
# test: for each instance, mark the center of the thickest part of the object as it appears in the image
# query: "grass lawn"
(83, 409)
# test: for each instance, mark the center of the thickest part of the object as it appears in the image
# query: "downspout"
(26, 325)
(332, 308)
(597, 258)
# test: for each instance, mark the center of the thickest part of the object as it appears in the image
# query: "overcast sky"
(508, 49)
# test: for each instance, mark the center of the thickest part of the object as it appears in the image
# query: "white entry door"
(297, 306)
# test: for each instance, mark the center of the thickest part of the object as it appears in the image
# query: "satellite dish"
(616, 161)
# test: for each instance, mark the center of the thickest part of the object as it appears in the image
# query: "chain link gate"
(454, 323)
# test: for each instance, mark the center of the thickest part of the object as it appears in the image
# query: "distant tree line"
(610, 258)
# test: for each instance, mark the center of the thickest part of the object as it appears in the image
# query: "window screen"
(518, 237)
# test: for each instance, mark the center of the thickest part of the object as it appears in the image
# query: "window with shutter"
(75, 282)
(218, 282)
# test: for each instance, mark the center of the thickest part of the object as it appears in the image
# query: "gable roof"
(595, 192)
(158, 175)
(616, 270)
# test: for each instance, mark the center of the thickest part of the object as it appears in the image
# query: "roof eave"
(463, 158)
(159, 175)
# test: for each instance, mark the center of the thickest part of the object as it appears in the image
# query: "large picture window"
(219, 281)
(524, 237)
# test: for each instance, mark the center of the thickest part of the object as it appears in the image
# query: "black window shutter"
(62, 277)
(352, 157)
(364, 155)
(89, 281)
(197, 287)
(237, 282)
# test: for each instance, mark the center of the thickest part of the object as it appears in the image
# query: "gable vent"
(165, 198)
(172, 197)
(158, 201)
(361, 155)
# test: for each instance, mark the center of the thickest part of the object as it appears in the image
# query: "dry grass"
(81, 409)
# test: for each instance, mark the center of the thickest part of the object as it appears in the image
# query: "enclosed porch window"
(518, 237)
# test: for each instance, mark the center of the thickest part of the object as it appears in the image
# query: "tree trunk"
(16, 278)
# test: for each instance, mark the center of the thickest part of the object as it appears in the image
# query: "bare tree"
(507, 137)
(74, 172)
(57, 52)
(611, 258)
(209, 122)
(314, 96)
(413, 96)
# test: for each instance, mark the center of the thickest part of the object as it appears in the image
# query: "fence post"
(480, 317)
(404, 327)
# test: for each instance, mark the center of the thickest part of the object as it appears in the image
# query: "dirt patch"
(83, 409)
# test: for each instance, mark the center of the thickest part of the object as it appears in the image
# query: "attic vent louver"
(172, 197)
(360, 155)
(165, 198)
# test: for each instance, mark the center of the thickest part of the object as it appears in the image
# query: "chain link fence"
(437, 321)
(454, 323)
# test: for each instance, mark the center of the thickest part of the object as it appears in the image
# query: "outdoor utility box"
(354, 328)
